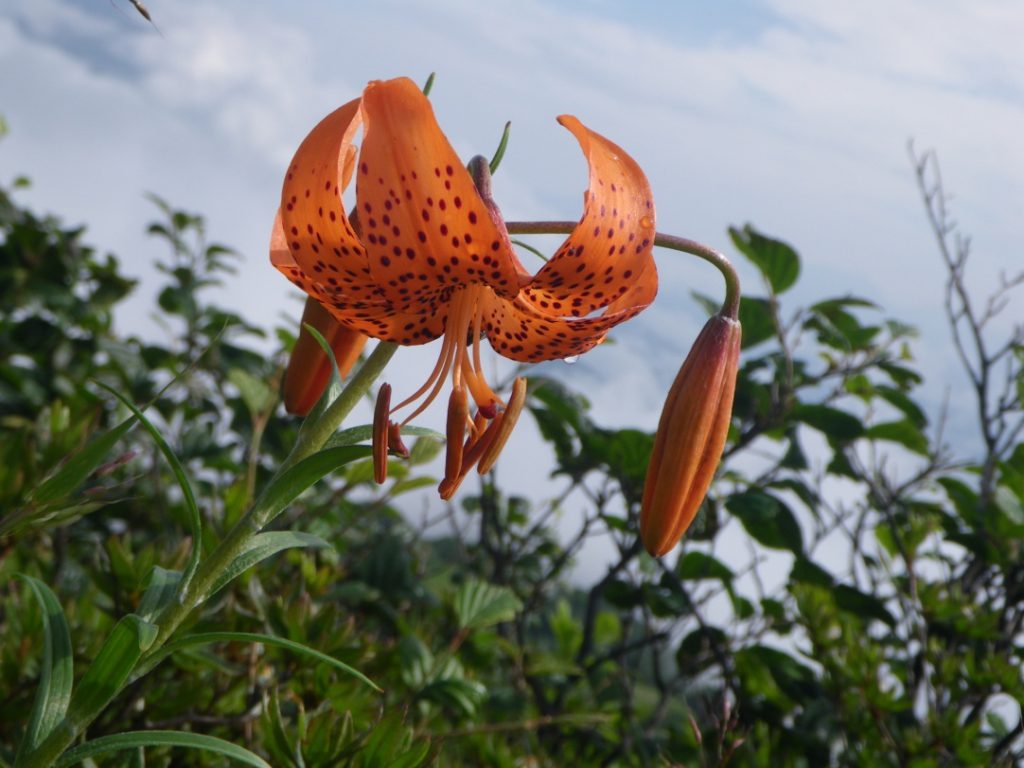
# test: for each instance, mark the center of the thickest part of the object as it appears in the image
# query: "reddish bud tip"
(691, 435)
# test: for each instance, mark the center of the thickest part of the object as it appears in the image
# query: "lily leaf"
(262, 546)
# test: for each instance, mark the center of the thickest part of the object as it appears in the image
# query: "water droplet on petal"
(645, 222)
(571, 359)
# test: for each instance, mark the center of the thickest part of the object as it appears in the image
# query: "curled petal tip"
(691, 435)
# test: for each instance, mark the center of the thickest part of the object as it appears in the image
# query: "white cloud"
(798, 126)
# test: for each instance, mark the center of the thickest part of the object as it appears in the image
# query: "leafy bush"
(852, 592)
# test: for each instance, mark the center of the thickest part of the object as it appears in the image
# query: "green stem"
(311, 438)
(731, 304)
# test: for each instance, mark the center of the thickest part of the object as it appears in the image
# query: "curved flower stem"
(731, 305)
(311, 439)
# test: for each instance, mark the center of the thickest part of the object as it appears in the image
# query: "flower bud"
(691, 435)
(309, 369)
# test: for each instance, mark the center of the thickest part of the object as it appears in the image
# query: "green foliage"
(850, 594)
(56, 671)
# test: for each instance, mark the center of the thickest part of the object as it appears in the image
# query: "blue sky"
(790, 114)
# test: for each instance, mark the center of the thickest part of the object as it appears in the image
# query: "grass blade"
(205, 638)
(75, 470)
(56, 669)
(195, 521)
(135, 739)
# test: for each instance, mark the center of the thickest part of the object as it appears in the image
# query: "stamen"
(395, 443)
(440, 370)
(507, 424)
(458, 414)
(483, 396)
(380, 434)
(471, 453)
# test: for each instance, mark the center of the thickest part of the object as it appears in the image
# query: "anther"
(380, 433)
(507, 423)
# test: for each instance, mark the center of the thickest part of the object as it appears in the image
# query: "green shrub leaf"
(479, 604)
(776, 260)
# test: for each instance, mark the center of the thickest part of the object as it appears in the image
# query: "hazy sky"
(793, 115)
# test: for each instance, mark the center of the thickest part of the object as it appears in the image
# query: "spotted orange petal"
(518, 331)
(321, 240)
(610, 249)
(425, 228)
(376, 319)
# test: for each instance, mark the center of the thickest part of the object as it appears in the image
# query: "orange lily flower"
(691, 435)
(427, 255)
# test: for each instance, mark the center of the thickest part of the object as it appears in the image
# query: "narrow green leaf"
(479, 604)
(499, 153)
(429, 85)
(301, 476)
(46, 517)
(56, 669)
(161, 588)
(195, 520)
(260, 547)
(205, 638)
(412, 484)
(331, 391)
(364, 432)
(530, 248)
(109, 671)
(75, 470)
(135, 739)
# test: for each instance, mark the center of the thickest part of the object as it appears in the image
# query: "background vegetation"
(892, 638)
